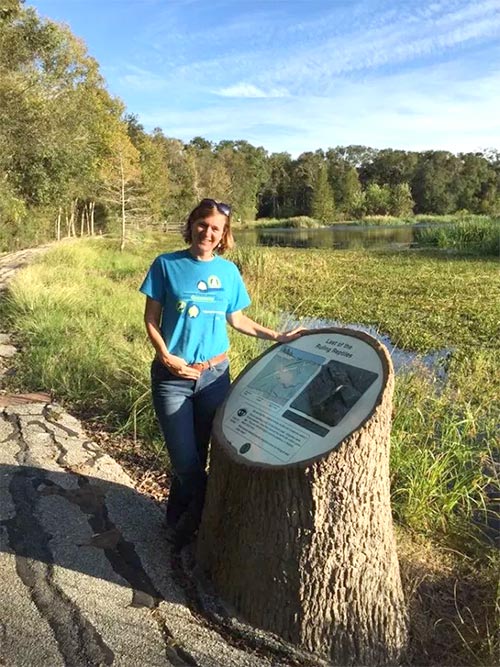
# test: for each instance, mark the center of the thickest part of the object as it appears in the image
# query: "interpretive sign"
(299, 400)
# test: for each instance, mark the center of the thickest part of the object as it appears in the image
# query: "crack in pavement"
(63, 452)
(122, 557)
(23, 454)
(95, 452)
(77, 639)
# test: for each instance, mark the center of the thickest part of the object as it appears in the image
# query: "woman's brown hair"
(205, 209)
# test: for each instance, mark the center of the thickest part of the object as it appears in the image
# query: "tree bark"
(92, 209)
(58, 224)
(82, 221)
(122, 198)
(307, 550)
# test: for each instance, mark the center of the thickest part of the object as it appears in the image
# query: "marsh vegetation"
(83, 339)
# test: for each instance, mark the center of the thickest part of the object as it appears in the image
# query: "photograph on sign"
(333, 392)
(301, 399)
(285, 374)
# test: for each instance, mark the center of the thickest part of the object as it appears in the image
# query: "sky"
(298, 75)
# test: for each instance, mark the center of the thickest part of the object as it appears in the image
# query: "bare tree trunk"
(87, 218)
(122, 194)
(72, 218)
(58, 224)
(307, 550)
(82, 221)
(92, 208)
(74, 214)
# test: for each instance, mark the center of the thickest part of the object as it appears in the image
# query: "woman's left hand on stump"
(288, 336)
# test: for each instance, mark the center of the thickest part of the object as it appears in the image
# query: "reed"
(477, 235)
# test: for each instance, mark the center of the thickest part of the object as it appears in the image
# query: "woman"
(191, 294)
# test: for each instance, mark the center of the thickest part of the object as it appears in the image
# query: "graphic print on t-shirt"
(214, 282)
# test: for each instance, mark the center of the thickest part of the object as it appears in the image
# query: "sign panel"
(301, 399)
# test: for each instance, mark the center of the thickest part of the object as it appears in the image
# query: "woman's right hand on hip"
(178, 366)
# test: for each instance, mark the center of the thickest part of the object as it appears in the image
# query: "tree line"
(73, 161)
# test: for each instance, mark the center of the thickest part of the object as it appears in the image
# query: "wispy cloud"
(138, 79)
(388, 111)
(249, 90)
(400, 42)
(308, 55)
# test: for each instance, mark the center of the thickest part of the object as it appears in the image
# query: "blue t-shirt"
(196, 296)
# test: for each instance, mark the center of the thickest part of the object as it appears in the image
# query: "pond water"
(338, 236)
(353, 236)
(435, 363)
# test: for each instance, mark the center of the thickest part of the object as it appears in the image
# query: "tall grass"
(306, 222)
(425, 218)
(295, 222)
(79, 321)
(480, 236)
(78, 315)
(439, 447)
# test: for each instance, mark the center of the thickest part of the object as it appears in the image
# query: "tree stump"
(305, 548)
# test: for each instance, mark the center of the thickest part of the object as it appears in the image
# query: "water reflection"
(339, 236)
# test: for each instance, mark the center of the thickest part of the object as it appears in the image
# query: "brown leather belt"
(205, 365)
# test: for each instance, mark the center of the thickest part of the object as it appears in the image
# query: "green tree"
(121, 181)
(432, 186)
(180, 164)
(358, 205)
(378, 199)
(389, 167)
(276, 196)
(401, 201)
(54, 115)
(355, 155)
(246, 166)
(304, 175)
(476, 184)
(322, 200)
(154, 170)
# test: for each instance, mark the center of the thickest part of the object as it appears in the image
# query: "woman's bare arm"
(247, 326)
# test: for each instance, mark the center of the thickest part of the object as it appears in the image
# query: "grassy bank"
(305, 222)
(297, 222)
(480, 236)
(83, 339)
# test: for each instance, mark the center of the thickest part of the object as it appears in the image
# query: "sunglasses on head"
(225, 209)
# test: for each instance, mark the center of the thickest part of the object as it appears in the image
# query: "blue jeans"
(185, 410)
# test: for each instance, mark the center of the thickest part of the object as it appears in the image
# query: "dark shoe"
(186, 530)
(168, 531)
(180, 535)
(181, 540)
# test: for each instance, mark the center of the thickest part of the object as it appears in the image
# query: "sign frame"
(230, 450)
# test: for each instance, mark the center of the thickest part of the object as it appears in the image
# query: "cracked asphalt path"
(86, 576)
